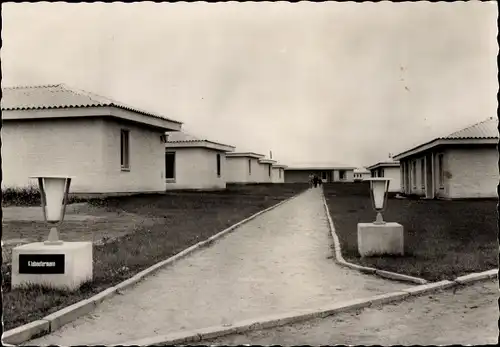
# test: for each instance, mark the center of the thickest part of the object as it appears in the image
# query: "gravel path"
(467, 317)
(274, 264)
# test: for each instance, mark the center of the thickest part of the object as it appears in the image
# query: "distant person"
(311, 180)
(320, 181)
(315, 181)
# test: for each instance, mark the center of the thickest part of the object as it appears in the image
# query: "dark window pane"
(218, 165)
(170, 165)
(124, 149)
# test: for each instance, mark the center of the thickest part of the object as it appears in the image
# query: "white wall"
(196, 168)
(263, 170)
(237, 170)
(56, 147)
(361, 175)
(394, 174)
(276, 175)
(86, 149)
(349, 175)
(147, 159)
(472, 173)
(297, 176)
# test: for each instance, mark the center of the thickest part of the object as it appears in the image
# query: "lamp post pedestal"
(53, 263)
(376, 239)
(61, 266)
(380, 237)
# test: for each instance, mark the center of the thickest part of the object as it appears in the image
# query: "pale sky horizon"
(330, 82)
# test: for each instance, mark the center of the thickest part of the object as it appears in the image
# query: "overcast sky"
(337, 82)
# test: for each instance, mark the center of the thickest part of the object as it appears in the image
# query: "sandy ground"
(468, 316)
(82, 222)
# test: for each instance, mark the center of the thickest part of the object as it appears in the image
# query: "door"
(407, 177)
(429, 179)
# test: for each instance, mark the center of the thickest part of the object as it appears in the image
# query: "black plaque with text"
(38, 264)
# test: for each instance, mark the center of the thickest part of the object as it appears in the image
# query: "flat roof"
(384, 164)
(267, 161)
(245, 154)
(179, 139)
(292, 168)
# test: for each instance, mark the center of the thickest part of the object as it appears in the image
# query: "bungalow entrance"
(326, 176)
(429, 177)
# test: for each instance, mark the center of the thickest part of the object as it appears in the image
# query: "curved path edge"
(54, 321)
(200, 335)
(466, 279)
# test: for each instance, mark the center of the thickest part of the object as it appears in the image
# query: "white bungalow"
(463, 164)
(360, 174)
(266, 170)
(389, 169)
(278, 173)
(328, 173)
(193, 163)
(107, 147)
(243, 167)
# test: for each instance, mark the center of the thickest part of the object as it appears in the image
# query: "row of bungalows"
(461, 165)
(250, 167)
(193, 163)
(109, 148)
(327, 173)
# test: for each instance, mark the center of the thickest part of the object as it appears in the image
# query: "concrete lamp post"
(379, 188)
(380, 237)
(53, 263)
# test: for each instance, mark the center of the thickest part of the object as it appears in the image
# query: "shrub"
(28, 196)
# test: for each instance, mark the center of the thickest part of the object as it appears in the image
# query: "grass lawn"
(443, 239)
(153, 228)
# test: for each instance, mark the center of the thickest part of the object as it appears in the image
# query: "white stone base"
(380, 239)
(77, 265)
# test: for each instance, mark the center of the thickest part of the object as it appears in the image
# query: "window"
(218, 165)
(279, 170)
(414, 173)
(323, 175)
(170, 165)
(422, 172)
(125, 150)
(249, 166)
(342, 174)
(269, 170)
(441, 171)
(380, 172)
